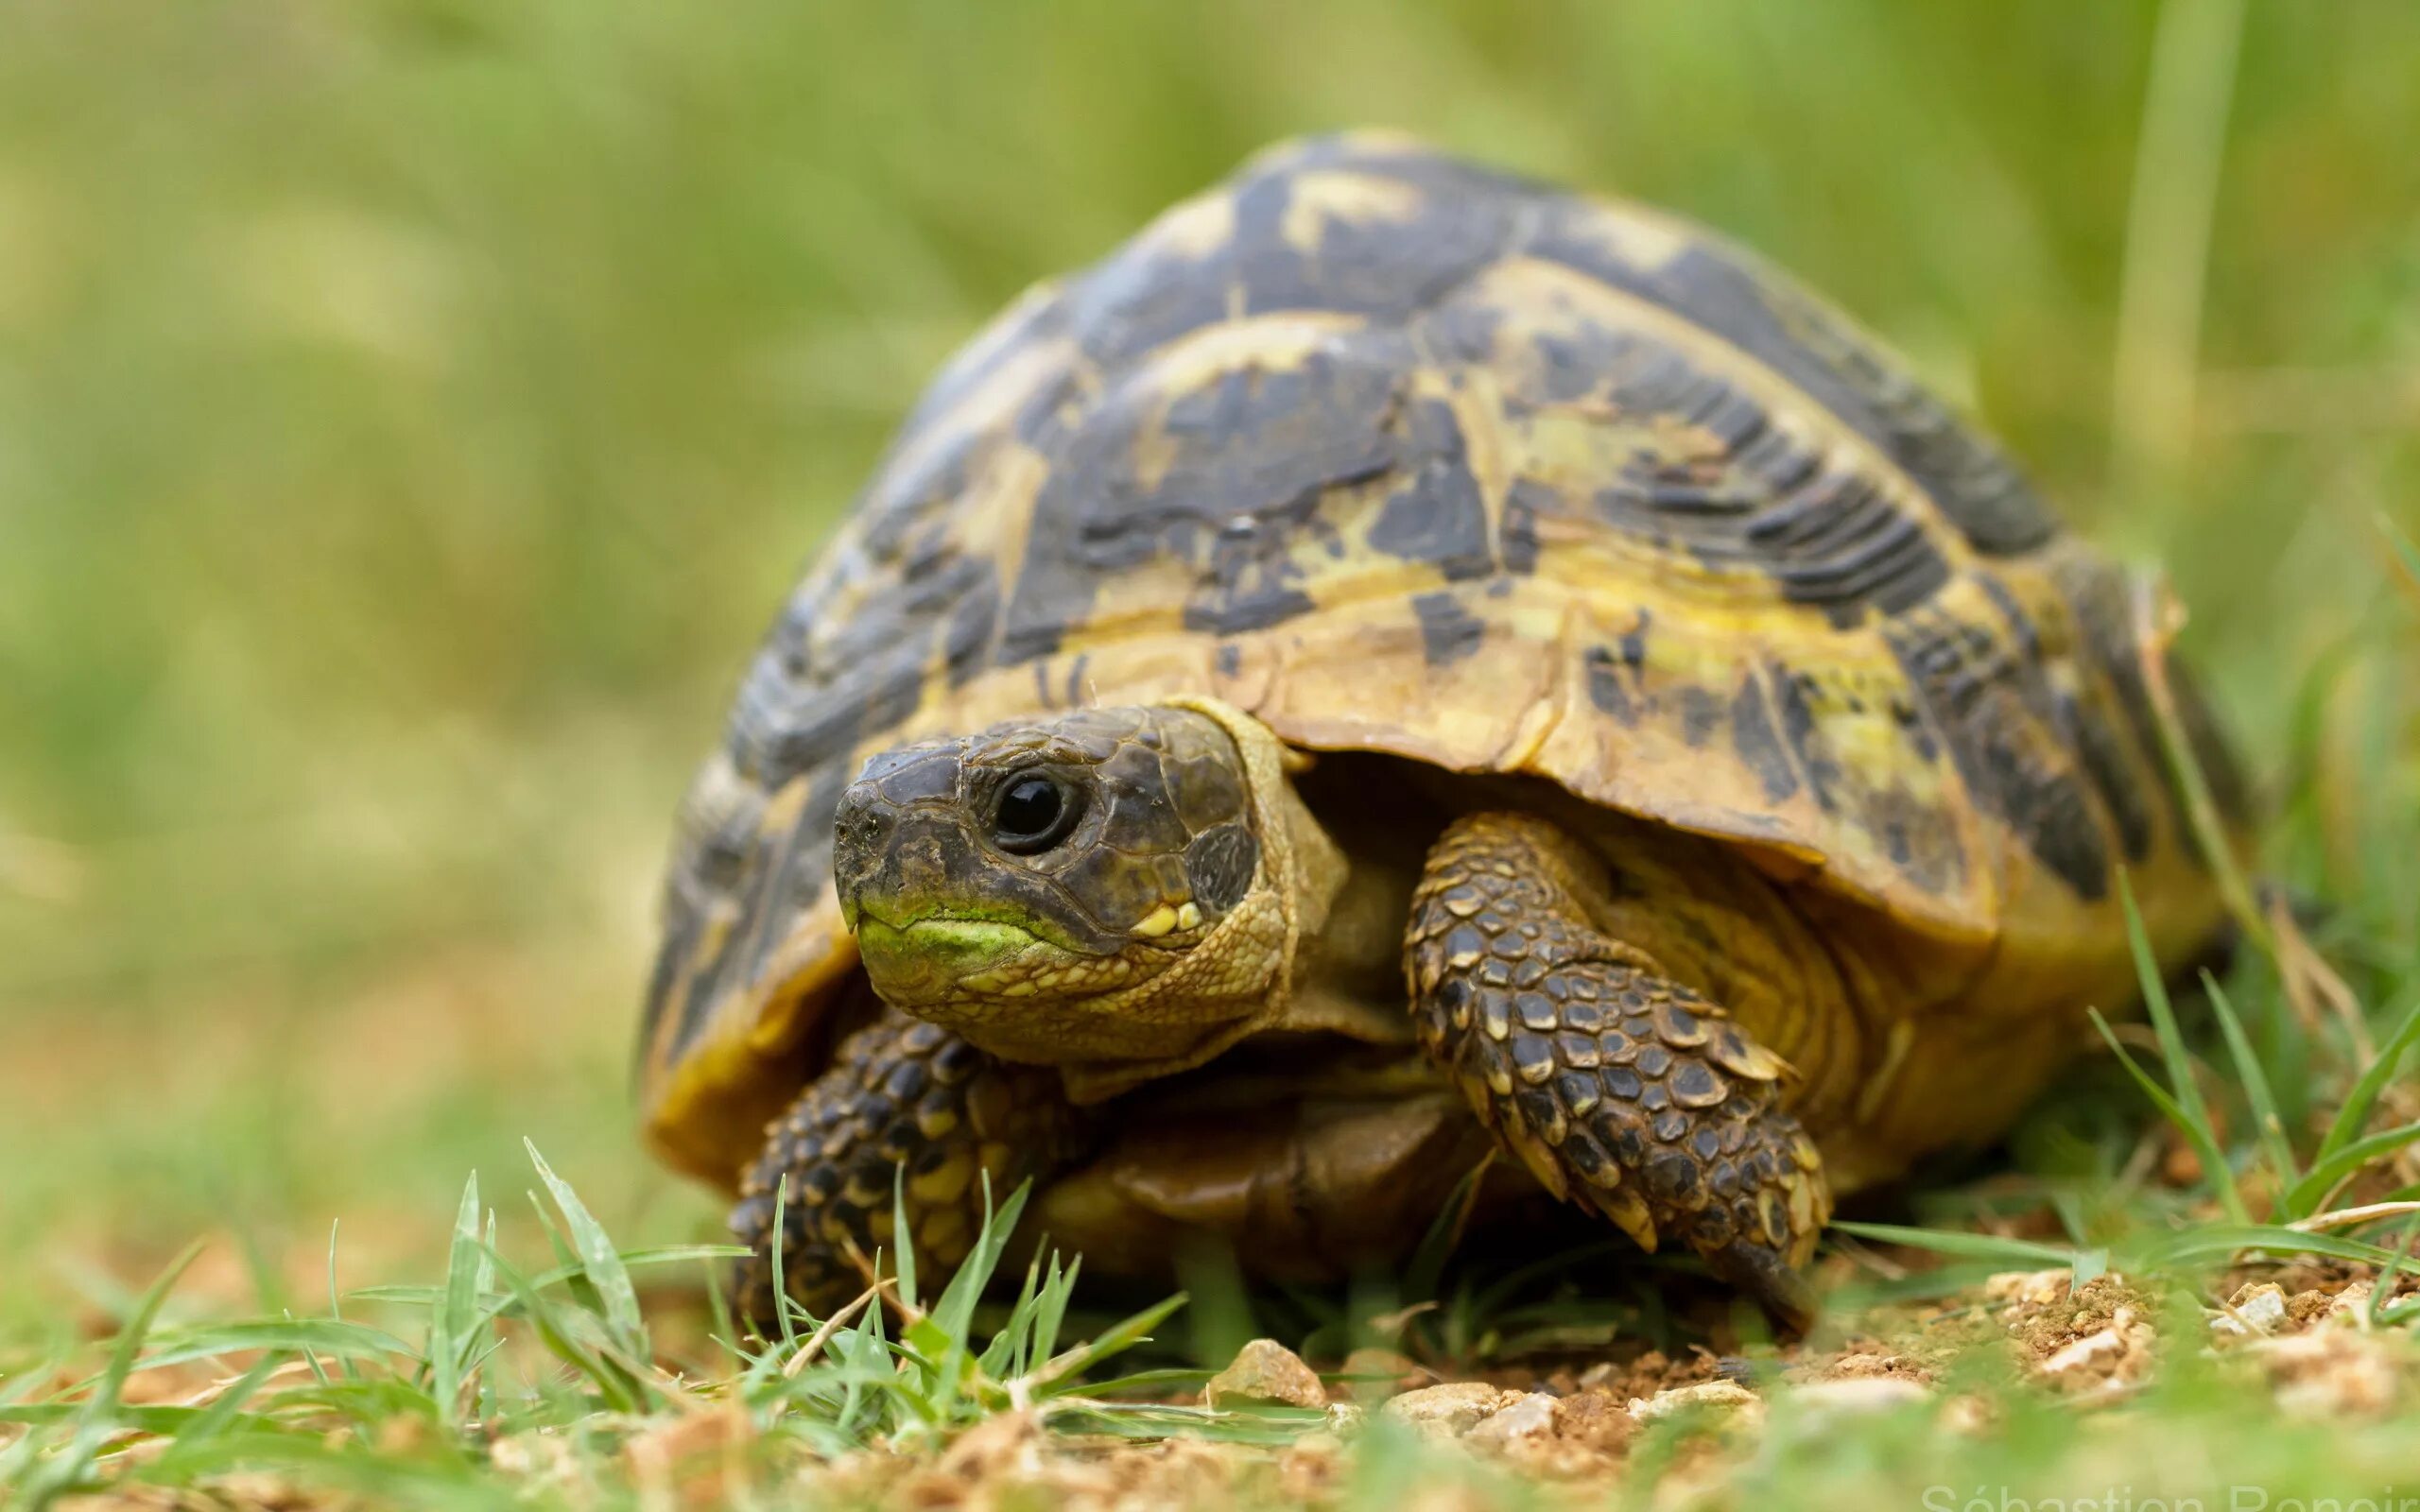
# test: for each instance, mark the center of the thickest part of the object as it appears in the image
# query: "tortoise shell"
(1405, 455)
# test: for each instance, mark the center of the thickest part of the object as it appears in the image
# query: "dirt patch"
(1870, 1359)
(1644, 1376)
(2085, 1340)
(1010, 1462)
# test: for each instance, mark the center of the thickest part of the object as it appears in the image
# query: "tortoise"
(1397, 664)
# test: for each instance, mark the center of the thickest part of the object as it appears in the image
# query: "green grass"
(411, 411)
(590, 1373)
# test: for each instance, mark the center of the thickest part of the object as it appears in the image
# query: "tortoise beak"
(873, 858)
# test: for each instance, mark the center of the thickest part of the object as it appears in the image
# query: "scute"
(1406, 454)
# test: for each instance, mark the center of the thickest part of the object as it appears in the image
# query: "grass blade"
(220, 1415)
(2382, 1290)
(2225, 1241)
(168, 1422)
(904, 1263)
(26, 1382)
(297, 1335)
(2355, 1115)
(1004, 1359)
(1058, 1290)
(1964, 1245)
(2271, 1127)
(600, 1262)
(2185, 1086)
(1060, 1374)
(941, 1338)
(560, 1274)
(560, 1331)
(2179, 153)
(775, 1248)
(2196, 1130)
(2157, 616)
(96, 1418)
(954, 1313)
(450, 1321)
(2305, 1195)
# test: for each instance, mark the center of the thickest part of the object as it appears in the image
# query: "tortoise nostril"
(862, 820)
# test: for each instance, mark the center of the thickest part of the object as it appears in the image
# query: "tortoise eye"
(1034, 813)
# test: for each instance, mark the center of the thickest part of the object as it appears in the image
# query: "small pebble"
(1268, 1372)
(2352, 1304)
(1451, 1410)
(1723, 1394)
(2256, 1309)
(1526, 1419)
(1861, 1393)
(2085, 1351)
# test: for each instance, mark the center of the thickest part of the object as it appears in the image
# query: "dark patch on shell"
(1856, 549)
(1700, 712)
(1754, 738)
(1605, 690)
(1987, 698)
(2045, 807)
(1448, 633)
(1616, 674)
(1633, 647)
(966, 639)
(2113, 777)
(1799, 733)
(2212, 752)
(1518, 535)
(1712, 285)
(1389, 266)
(1436, 516)
(1228, 476)
(1764, 500)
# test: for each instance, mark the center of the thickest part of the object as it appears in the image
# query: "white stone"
(1722, 1394)
(1451, 1410)
(2255, 1309)
(1526, 1419)
(1861, 1393)
(2085, 1351)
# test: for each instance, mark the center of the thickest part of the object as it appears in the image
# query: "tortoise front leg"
(906, 1103)
(1620, 1088)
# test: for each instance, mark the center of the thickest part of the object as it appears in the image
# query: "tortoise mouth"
(953, 956)
(946, 932)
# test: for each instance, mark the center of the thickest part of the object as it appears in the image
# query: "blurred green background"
(411, 412)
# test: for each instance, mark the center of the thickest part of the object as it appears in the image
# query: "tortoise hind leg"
(1621, 1089)
(904, 1102)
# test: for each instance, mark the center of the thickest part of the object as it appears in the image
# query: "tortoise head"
(1102, 886)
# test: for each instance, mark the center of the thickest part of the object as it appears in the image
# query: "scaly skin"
(1618, 1087)
(904, 1101)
